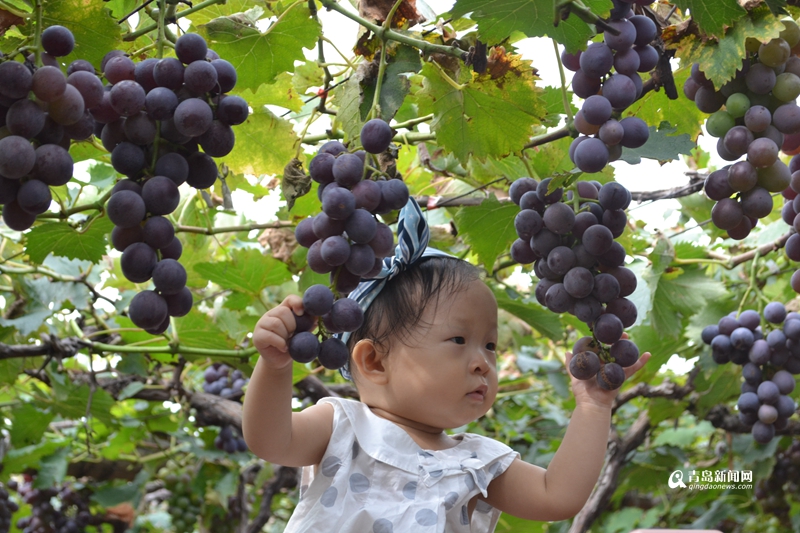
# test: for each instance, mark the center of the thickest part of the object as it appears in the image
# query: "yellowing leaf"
(720, 60)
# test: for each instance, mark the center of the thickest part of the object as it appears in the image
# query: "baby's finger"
(295, 303)
(629, 371)
(264, 339)
(279, 321)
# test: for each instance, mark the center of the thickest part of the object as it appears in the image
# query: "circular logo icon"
(676, 480)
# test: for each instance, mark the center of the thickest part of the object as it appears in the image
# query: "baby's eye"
(458, 340)
(491, 346)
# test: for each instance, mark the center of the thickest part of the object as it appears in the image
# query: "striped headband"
(412, 245)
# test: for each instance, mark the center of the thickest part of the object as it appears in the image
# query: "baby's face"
(447, 377)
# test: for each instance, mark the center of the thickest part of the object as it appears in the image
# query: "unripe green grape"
(790, 33)
(719, 123)
(737, 105)
(774, 53)
(751, 44)
(787, 87)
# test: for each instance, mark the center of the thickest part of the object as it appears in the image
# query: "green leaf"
(52, 469)
(713, 16)
(488, 228)
(679, 295)
(533, 314)
(280, 93)
(777, 7)
(660, 146)
(720, 60)
(62, 240)
(486, 117)
(350, 95)
(230, 7)
(198, 331)
(554, 105)
(90, 22)
(260, 57)
(29, 425)
(395, 85)
(249, 271)
(18, 459)
(497, 19)
(683, 436)
(655, 108)
(264, 143)
(74, 406)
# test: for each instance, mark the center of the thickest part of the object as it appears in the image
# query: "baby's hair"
(398, 308)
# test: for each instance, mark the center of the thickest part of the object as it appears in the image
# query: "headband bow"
(412, 245)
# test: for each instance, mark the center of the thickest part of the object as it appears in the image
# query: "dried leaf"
(7, 20)
(378, 10)
(295, 182)
(281, 242)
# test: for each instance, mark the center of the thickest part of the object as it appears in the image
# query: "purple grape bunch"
(607, 76)
(580, 267)
(173, 111)
(769, 357)
(754, 116)
(345, 240)
(43, 110)
(791, 215)
(221, 380)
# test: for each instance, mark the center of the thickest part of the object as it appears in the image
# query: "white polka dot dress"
(374, 478)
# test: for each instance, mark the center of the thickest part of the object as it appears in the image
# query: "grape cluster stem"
(132, 36)
(392, 35)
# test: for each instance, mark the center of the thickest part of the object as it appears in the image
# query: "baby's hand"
(589, 392)
(273, 330)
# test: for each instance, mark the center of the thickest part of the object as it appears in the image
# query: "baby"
(423, 361)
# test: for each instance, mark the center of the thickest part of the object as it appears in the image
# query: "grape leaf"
(720, 60)
(230, 7)
(62, 240)
(777, 7)
(29, 424)
(259, 57)
(488, 228)
(682, 113)
(90, 22)
(249, 271)
(395, 85)
(349, 117)
(279, 93)
(660, 146)
(554, 106)
(713, 16)
(197, 330)
(484, 116)
(533, 314)
(264, 143)
(535, 18)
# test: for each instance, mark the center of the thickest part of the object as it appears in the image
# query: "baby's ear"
(368, 359)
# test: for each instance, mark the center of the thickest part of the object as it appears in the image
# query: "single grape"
(303, 347)
(333, 353)
(624, 352)
(376, 136)
(584, 365)
(610, 376)
(147, 310)
(57, 41)
(318, 300)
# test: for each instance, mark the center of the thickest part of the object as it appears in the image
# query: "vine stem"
(344, 57)
(455, 85)
(102, 347)
(162, 14)
(752, 284)
(428, 48)
(132, 36)
(37, 52)
(407, 138)
(408, 124)
(375, 110)
(564, 97)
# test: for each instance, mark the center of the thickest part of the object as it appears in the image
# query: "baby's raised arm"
(270, 428)
(560, 492)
